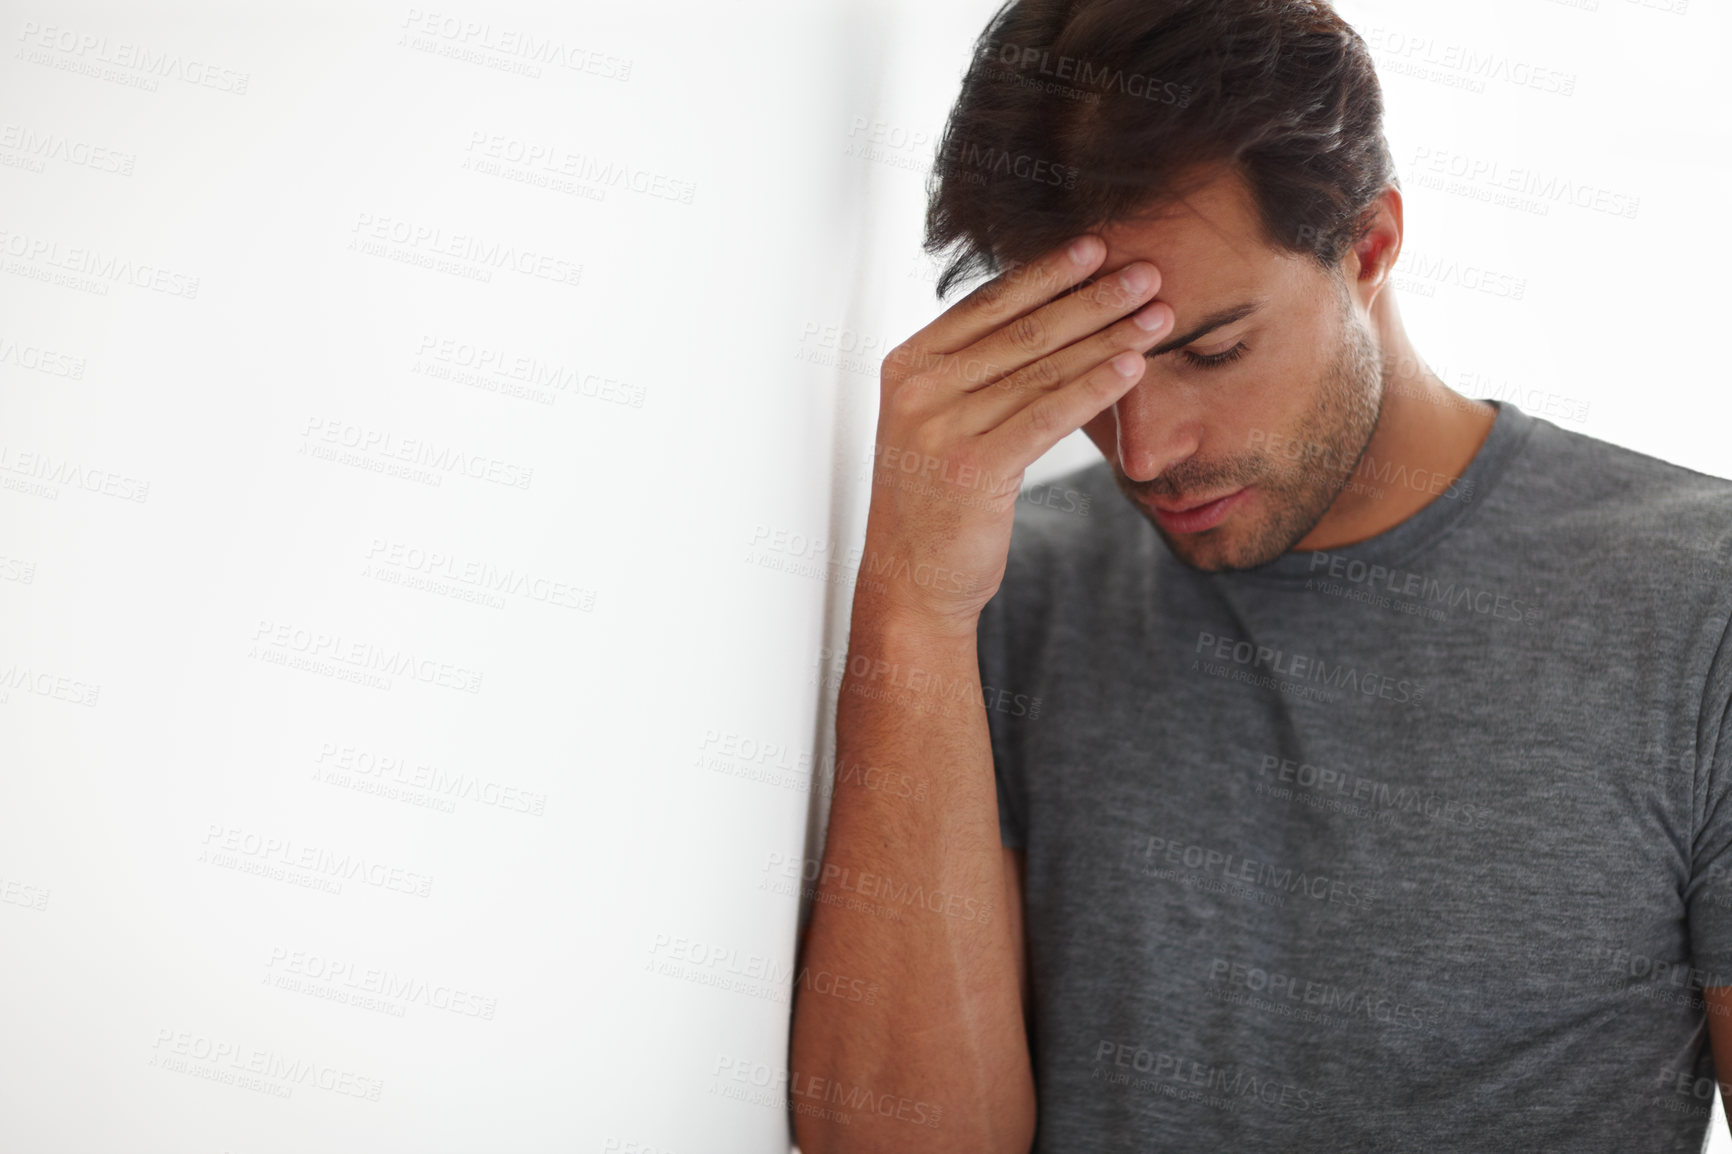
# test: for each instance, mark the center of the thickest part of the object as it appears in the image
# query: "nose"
(1157, 429)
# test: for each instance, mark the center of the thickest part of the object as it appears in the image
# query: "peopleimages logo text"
(1301, 667)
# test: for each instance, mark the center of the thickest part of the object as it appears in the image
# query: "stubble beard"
(1294, 494)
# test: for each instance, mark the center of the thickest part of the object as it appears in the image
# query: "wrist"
(889, 622)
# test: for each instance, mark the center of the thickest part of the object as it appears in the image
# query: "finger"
(987, 408)
(1011, 294)
(1052, 327)
(1051, 417)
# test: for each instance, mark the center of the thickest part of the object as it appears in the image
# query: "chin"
(1227, 548)
(1212, 551)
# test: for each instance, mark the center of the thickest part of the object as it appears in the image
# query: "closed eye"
(1216, 360)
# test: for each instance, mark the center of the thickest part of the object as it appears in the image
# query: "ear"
(1370, 263)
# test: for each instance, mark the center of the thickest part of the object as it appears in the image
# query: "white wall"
(561, 832)
(519, 822)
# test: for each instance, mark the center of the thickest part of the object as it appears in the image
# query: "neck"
(1426, 432)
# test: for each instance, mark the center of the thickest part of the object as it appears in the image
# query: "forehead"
(1208, 243)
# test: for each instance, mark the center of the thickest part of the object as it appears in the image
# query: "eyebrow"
(1210, 323)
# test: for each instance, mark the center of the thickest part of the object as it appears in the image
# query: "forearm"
(910, 896)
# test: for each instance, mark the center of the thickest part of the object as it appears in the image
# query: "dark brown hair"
(1075, 114)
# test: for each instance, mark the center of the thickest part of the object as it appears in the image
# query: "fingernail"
(1079, 249)
(1135, 279)
(1150, 318)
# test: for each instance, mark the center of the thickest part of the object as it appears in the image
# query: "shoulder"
(1621, 504)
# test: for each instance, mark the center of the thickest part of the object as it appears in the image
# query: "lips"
(1199, 516)
(1187, 506)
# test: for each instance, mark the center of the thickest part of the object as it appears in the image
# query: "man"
(1356, 769)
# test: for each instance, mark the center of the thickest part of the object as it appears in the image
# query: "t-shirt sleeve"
(1708, 897)
(991, 650)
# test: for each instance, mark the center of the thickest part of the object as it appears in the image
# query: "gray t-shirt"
(1421, 844)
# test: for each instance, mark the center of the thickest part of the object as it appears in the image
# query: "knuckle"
(903, 450)
(1026, 332)
(904, 400)
(904, 360)
(1041, 416)
(1043, 374)
(991, 296)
